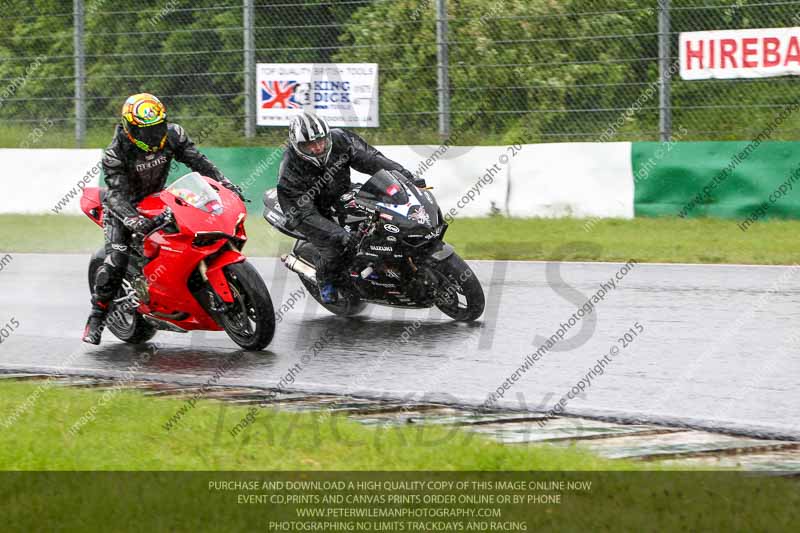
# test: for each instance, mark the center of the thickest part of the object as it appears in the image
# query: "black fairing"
(402, 230)
(384, 187)
(274, 215)
(399, 229)
(413, 210)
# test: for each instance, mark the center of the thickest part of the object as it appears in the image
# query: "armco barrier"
(453, 175)
(543, 180)
(41, 181)
(467, 180)
(253, 169)
(667, 182)
(572, 179)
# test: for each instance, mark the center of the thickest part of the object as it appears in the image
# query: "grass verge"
(667, 240)
(126, 432)
(663, 240)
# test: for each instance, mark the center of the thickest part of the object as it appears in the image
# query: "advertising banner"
(756, 53)
(344, 94)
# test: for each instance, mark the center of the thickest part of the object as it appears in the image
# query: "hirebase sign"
(757, 53)
(344, 94)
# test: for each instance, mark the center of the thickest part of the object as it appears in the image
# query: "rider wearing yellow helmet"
(136, 164)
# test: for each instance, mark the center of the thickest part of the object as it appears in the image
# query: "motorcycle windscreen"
(193, 190)
(385, 188)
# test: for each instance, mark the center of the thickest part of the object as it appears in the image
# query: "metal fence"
(542, 71)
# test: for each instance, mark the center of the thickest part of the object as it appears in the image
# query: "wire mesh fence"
(739, 108)
(542, 71)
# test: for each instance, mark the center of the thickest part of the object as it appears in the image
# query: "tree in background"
(540, 70)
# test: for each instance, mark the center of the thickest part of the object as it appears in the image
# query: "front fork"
(433, 276)
(213, 276)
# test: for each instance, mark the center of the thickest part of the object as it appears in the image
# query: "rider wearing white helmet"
(313, 174)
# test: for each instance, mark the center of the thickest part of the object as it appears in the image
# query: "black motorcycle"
(399, 258)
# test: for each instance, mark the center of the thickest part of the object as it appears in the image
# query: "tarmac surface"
(708, 346)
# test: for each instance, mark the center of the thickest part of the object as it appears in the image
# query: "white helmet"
(310, 136)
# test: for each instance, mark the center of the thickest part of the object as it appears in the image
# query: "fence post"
(443, 64)
(249, 70)
(664, 66)
(80, 73)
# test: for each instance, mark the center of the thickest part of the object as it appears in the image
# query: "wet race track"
(707, 346)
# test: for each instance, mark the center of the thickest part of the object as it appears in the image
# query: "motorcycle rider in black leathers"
(313, 175)
(136, 165)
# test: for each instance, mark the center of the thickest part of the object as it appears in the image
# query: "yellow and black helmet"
(144, 119)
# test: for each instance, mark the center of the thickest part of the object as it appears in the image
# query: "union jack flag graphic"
(278, 94)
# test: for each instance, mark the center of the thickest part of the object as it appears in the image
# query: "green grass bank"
(158, 479)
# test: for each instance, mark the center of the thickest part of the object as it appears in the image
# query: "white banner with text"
(344, 94)
(725, 54)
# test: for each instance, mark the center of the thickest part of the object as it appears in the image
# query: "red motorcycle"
(189, 272)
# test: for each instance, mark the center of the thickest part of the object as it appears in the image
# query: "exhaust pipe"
(163, 324)
(300, 266)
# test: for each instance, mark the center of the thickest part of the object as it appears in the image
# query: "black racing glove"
(139, 224)
(418, 182)
(235, 189)
(347, 241)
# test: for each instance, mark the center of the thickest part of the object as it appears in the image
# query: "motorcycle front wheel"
(459, 295)
(250, 321)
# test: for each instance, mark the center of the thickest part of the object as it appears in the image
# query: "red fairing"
(216, 276)
(91, 204)
(175, 257)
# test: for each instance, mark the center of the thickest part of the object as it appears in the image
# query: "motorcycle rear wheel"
(126, 324)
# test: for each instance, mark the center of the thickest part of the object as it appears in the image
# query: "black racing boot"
(96, 323)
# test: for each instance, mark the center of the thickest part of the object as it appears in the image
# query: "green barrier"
(254, 169)
(716, 179)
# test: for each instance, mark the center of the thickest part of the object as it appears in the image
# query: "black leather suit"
(131, 175)
(309, 194)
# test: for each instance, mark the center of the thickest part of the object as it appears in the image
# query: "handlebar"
(160, 221)
(163, 219)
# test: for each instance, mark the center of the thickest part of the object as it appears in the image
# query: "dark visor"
(150, 135)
